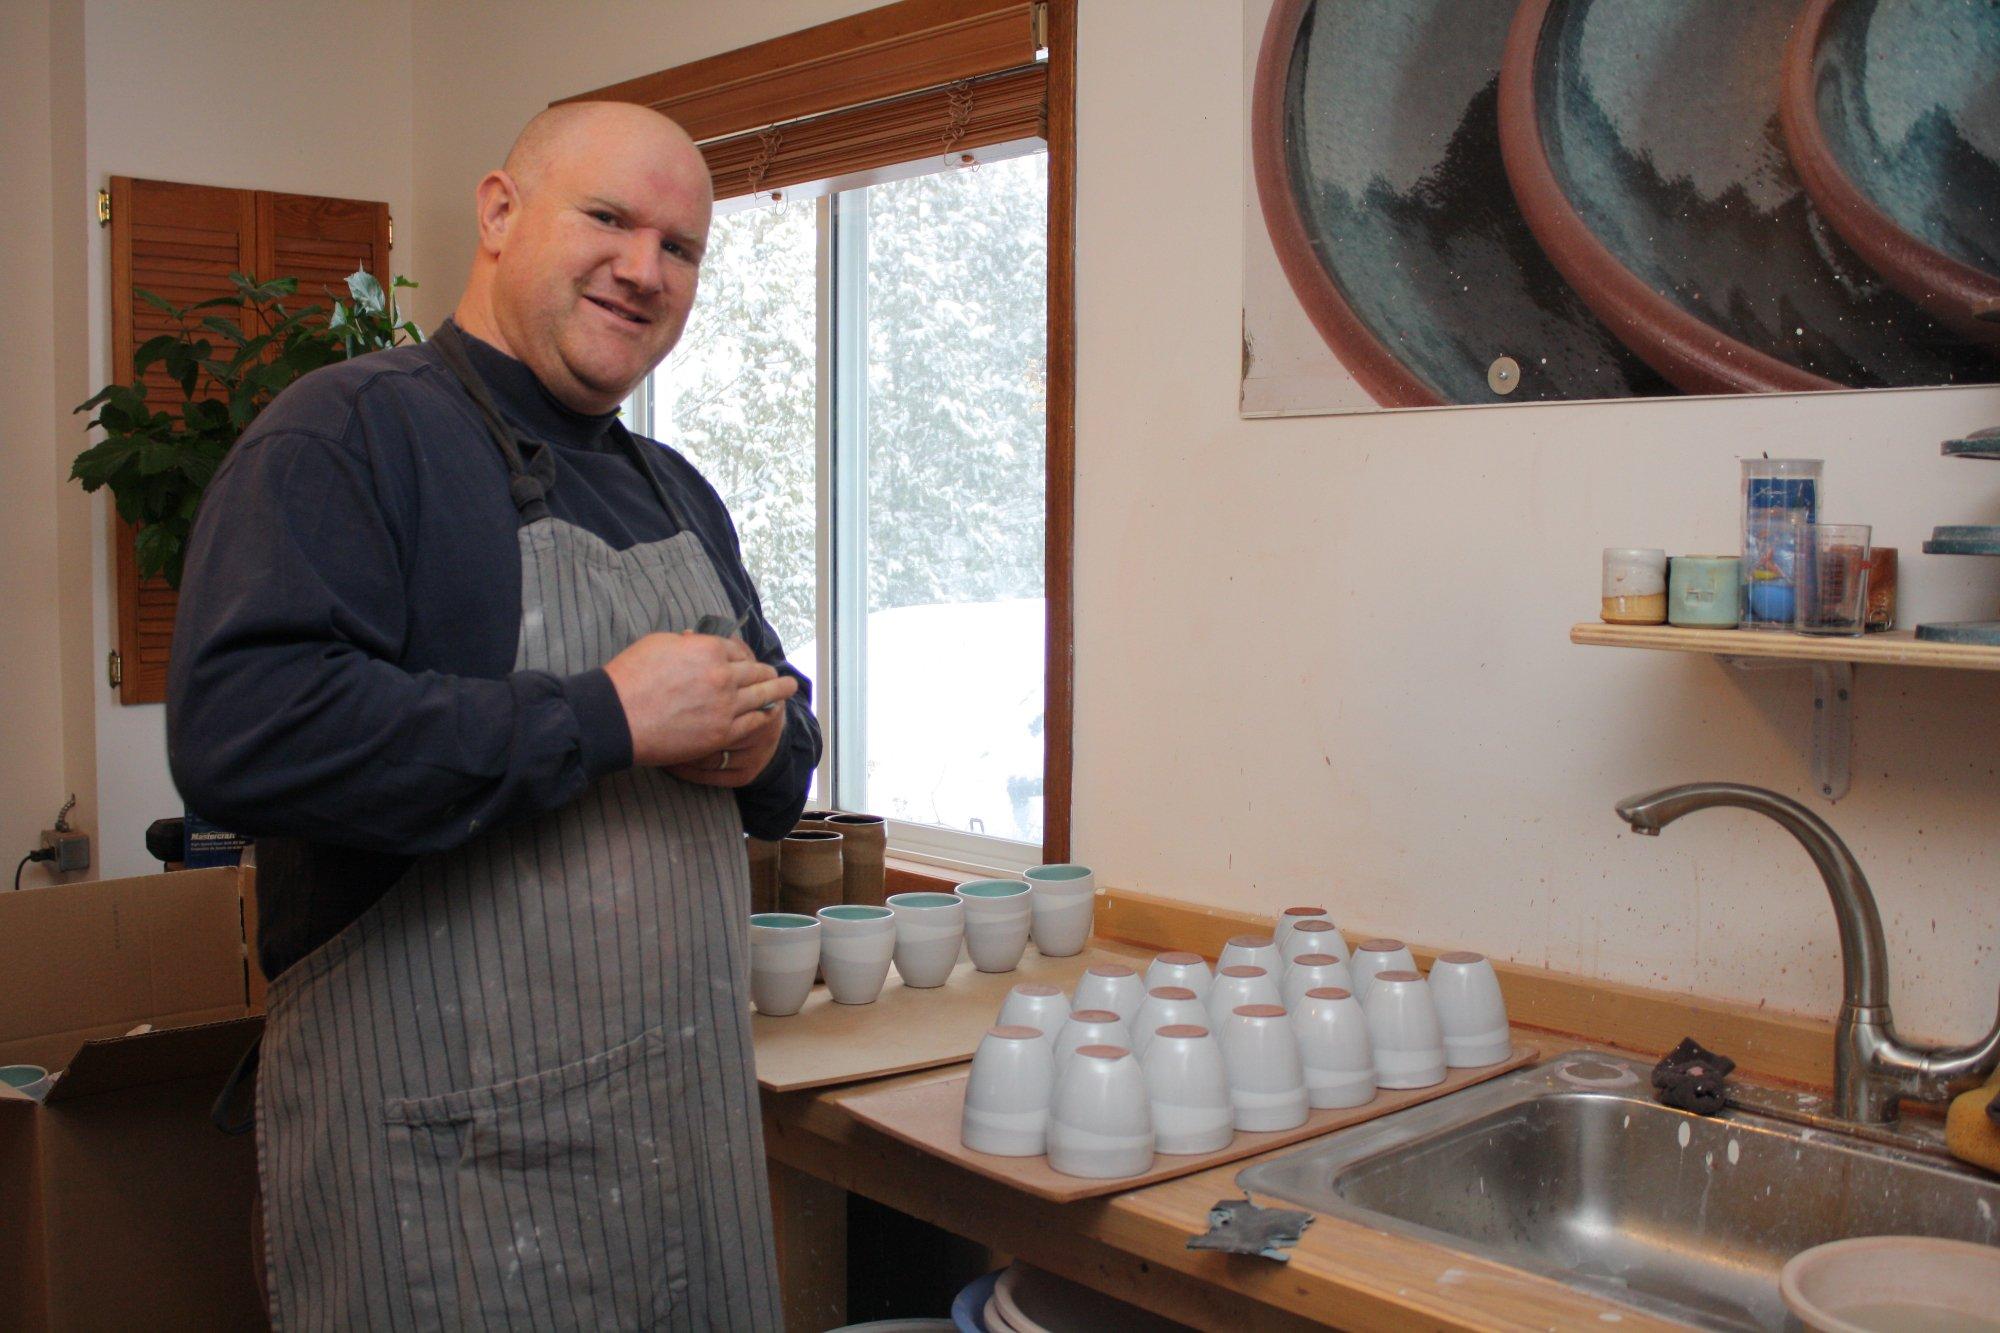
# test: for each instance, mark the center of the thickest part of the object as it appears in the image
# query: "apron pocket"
(562, 1189)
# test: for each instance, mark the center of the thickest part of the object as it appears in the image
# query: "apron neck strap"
(531, 467)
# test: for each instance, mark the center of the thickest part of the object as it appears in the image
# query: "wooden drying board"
(826, 1043)
(926, 1115)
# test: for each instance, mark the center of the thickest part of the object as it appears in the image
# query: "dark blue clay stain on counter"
(1660, 122)
(1394, 142)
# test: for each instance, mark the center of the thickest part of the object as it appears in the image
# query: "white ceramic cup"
(1007, 1093)
(856, 943)
(1112, 986)
(998, 916)
(1471, 1013)
(1251, 951)
(1187, 1086)
(1090, 1027)
(1403, 1031)
(1333, 1040)
(1036, 1005)
(930, 928)
(1065, 900)
(1310, 971)
(1267, 1080)
(784, 955)
(1373, 956)
(1315, 936)
(1238, 985)
(31, 1081)
(1164, 1006)
(1290, 918)
(1100, 1124)
(1176, 968)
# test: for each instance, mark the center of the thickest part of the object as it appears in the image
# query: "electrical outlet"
(72, 850)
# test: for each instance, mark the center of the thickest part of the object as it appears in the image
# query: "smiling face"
(590, 245)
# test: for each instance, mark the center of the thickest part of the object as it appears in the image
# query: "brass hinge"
(392, 233)
(1039, 26)
(104, 208)
(114, 666)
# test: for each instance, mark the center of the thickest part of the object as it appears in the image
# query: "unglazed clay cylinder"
(1112, 986)
(1373, 956)
(1240, 985)
(1471, 1014)
(763, 855)
(1403, 1031)
(1291, 917)
(1267, 1080)
(809, 872)
(1165, 1006)
(1315, 936)
(1339, 1060)
(1252, 951)
(1187, 1090)
(814, 821)
(784, 954)
(1007, 1093)
(1100, 1123)
(1176, 968)
(864, 842)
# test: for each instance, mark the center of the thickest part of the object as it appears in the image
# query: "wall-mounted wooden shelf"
(1896, 648)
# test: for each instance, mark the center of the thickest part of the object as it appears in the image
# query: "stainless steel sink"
(1571, 1170)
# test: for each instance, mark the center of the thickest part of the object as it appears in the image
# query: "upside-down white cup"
(784, 954)
(1251, 951)
(1065, 900)
(1318, 935)
(1311, 971)
(1112, 986)
(856, 943)
(1237, 986)
(1187, 1085)
(1403, 1031)
(1267, 1080)
(1339, 1061)
(1090, 1027)
(930, 929)
(1471, 1013)
(1036, 1005)
(1176, 968)
(1007, 1093)
(998, 916)
(1100, 1124)
(1164, 1006)
(1290, 918)
(1375, 956)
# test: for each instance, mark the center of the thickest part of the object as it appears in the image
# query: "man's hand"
(689, 697)
(738, 765)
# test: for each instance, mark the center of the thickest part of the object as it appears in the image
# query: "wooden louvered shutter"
(182, 242)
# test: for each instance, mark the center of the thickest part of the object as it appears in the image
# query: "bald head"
(590, 241)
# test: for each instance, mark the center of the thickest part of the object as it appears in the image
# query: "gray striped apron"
(518, 1091)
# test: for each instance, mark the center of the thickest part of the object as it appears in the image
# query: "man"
(434, 652)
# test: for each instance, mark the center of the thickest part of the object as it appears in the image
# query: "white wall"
(290, 95)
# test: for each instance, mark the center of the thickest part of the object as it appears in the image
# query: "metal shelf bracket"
(1832, 720)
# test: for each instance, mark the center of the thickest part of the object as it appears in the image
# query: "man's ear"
(499, 202)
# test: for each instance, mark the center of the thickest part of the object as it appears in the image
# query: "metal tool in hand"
(722, 627)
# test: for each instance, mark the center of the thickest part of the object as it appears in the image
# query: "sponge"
(1972, 1129)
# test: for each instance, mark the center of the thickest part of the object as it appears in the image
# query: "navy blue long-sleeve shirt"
(342, 685)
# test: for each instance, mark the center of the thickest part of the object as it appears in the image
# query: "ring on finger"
(724, 762)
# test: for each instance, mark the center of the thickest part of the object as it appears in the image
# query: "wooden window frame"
(864, 68)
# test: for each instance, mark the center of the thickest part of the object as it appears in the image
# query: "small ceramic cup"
(1162, 1007)
(1403, 1031)
(855, 946)
(31, 1081)
(1007, 1093)
(930, 928)
(1065, 900)
(1187, 1087)
(1309, 971)
(1373, 956)
(1471, 1013)
(1180, 969)
(1290, 918)
(1112, 986)
(1251, 951)
(1036, 1005)
(1087, 1027)
(784, 955)
(997, 919)
(1240, 985)
(1315, 936)
(1333, 1040)
(1267, 1080)
(1100, 1125)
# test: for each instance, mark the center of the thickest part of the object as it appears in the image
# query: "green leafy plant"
(230, 356)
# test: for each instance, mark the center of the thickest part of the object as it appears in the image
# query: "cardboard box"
(121, 1204)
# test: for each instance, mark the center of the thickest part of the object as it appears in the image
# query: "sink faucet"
(1872, 1067)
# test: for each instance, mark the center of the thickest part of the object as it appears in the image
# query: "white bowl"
(1886, 1284)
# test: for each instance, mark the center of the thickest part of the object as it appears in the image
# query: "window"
(865, 381)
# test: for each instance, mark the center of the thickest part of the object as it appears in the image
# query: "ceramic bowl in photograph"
(856, 943)
(1100, 1124)
(1403, 1031)
(1334, 1049)
(1038, 1005)
(930, 931)
(997, 920)
(1007, 1093)
(784, 955)
(1894, 1284)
